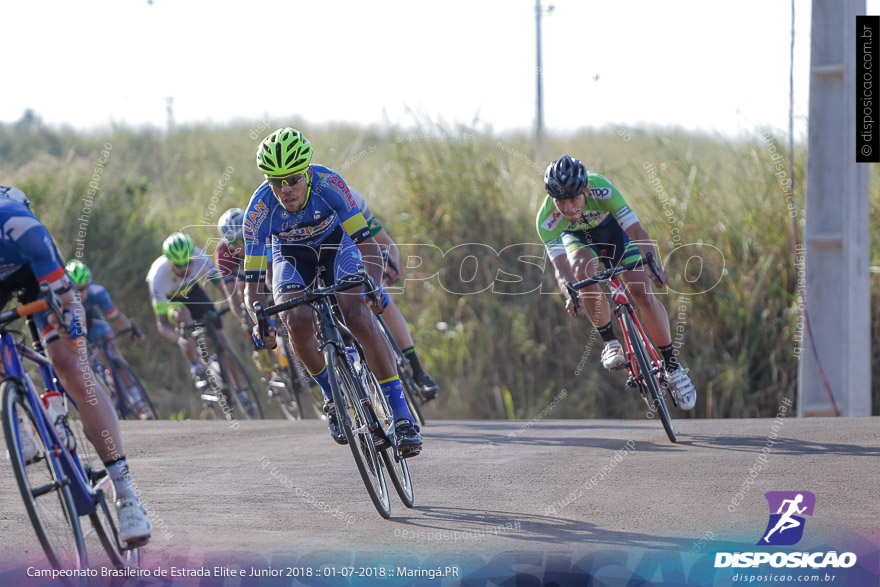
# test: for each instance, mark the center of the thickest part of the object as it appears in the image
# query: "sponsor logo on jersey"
(254, 220)
(552, 220)
(293, 233)
(336, 181)
(600, 193)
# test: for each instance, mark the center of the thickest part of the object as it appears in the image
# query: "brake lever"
(369, 286)
(53, 301)
(261, 320)
(652, 264)
(573, 295)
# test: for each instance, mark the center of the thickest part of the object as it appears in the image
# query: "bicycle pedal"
(407, 453)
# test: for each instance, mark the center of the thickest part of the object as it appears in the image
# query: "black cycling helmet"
(565, 178)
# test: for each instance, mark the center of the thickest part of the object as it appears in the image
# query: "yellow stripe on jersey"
(255, 263)
(354, 224)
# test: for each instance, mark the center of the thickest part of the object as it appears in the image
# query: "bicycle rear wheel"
(647, 375)
(47, 497)
(244, 394)
(134, 394)
(355, 422)
(411, 393)
(397, 468)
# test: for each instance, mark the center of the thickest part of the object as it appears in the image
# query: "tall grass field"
(479, 292)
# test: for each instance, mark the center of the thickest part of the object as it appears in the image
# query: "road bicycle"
(362, 410)
(59, 485)
(225, 374)
(643, 363)
(129, 395)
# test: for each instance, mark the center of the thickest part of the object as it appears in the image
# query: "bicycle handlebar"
(609, 274)
(196, 324)
(48, 301)
(349, 282)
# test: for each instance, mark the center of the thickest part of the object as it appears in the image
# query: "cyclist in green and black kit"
(583, 219)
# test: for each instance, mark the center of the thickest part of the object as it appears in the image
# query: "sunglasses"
(291, 179)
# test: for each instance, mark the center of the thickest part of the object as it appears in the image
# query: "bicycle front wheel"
(397, 468)
(46, 495)
(352, 416)
(239, 386)
(647, 376)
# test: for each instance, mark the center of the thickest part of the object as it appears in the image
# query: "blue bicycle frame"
(67, 466)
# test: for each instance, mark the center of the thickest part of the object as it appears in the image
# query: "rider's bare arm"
(372, 256)
(165, 328)
(384, 239)
(642, 240)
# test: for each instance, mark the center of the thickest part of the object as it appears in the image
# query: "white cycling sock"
(121, 477)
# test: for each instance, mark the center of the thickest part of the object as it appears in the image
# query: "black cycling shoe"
(409, 441)
(333, 424)
(427, 385)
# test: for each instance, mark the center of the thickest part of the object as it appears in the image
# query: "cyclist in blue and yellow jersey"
(29, 257)
(583, 219)
(178, 298)
(308, 216)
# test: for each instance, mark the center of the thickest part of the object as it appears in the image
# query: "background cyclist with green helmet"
(177, 297)
(96, 300)
(308, 216)
(98, 305)
(583, 219)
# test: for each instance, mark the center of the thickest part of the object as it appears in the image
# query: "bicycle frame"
(67, 466)
(617, 291)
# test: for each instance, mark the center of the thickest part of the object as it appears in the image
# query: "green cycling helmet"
(79, 273)
(178, 248)
(283, 152)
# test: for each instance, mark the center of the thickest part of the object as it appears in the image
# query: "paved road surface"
(485, 487)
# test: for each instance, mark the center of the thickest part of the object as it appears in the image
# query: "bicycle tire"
(15, 406)
(347, 399)
(397, 468)
(255, 411)
(122, 367)
(647, 378)
(102, 519)
(410, 394)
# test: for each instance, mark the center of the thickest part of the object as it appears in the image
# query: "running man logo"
(786, 526)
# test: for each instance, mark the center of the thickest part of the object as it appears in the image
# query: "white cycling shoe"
(134, 525)
(680, 385)
(612, 355)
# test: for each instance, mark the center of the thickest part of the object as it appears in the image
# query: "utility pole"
(169, 111)
(835, 358)
(539, 97)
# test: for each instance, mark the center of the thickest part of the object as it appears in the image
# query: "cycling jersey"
(603, 204)
(165, 286)
(372, 222)
(98, 305)
(28, 257)
(329, 206)
(230, 266)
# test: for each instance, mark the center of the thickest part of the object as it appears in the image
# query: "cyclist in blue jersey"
(307, 215)
(101, 312)
(28, 257)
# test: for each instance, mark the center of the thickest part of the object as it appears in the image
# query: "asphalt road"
(484, 487)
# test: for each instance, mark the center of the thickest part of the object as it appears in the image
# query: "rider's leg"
(654, 317)
(178, 315)
(585, 264)
(402, 336)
